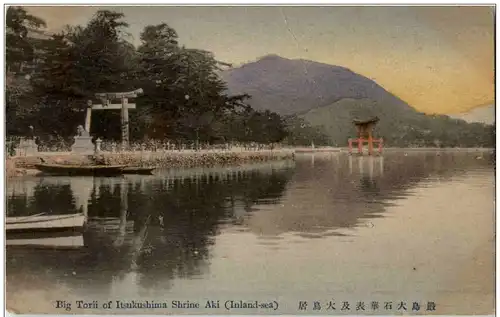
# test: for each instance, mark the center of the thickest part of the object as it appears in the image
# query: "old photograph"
(250, 159)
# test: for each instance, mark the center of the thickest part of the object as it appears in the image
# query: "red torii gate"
(365, 129)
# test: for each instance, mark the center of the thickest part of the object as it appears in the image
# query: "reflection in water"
(146, 233)
(373, 162)
(339, 197)
(158, 226)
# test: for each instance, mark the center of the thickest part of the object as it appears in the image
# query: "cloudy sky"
(438, 59)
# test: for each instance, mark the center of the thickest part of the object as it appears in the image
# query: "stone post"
(98, 143)
(88, 116)
(125, 127)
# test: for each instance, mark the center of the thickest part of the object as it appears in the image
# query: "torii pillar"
(365, 132)
(106, 105)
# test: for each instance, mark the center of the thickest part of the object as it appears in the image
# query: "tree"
(184, 96)
(19, 53)
(80, 62)
(19, 49)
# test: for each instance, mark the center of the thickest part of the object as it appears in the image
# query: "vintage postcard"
(258, 160)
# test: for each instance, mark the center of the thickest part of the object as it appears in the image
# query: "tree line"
(51, 79)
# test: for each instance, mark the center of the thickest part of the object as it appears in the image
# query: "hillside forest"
(186, 96)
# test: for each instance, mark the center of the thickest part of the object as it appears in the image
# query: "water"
(326, 227)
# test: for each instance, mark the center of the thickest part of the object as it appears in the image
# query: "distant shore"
(390, 149)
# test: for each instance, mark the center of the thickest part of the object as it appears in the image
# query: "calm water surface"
(325, 227)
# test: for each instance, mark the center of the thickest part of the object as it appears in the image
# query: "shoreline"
(19, 166)
(392, 149)
(25, 165)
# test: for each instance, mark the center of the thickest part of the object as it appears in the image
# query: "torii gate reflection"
(83, 188)
(366, 165)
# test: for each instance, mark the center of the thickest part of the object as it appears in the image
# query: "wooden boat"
(51, 231)
(44, 223)
(79, 170)
(138, 170)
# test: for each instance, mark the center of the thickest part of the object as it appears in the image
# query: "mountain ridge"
(329, 97)
(274, 83)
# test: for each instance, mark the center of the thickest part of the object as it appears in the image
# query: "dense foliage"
(184, 98)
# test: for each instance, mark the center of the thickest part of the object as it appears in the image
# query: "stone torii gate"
(106, 105)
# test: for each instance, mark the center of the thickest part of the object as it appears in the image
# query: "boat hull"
(44, 223)
(53, 231)
(69, 170)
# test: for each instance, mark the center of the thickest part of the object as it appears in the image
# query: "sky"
(483, 114)
(437, 59)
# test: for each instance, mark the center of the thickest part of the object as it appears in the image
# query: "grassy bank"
(15, 165)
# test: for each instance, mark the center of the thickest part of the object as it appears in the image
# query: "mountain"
(330, 97)
(482, 114)
(296, 86)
